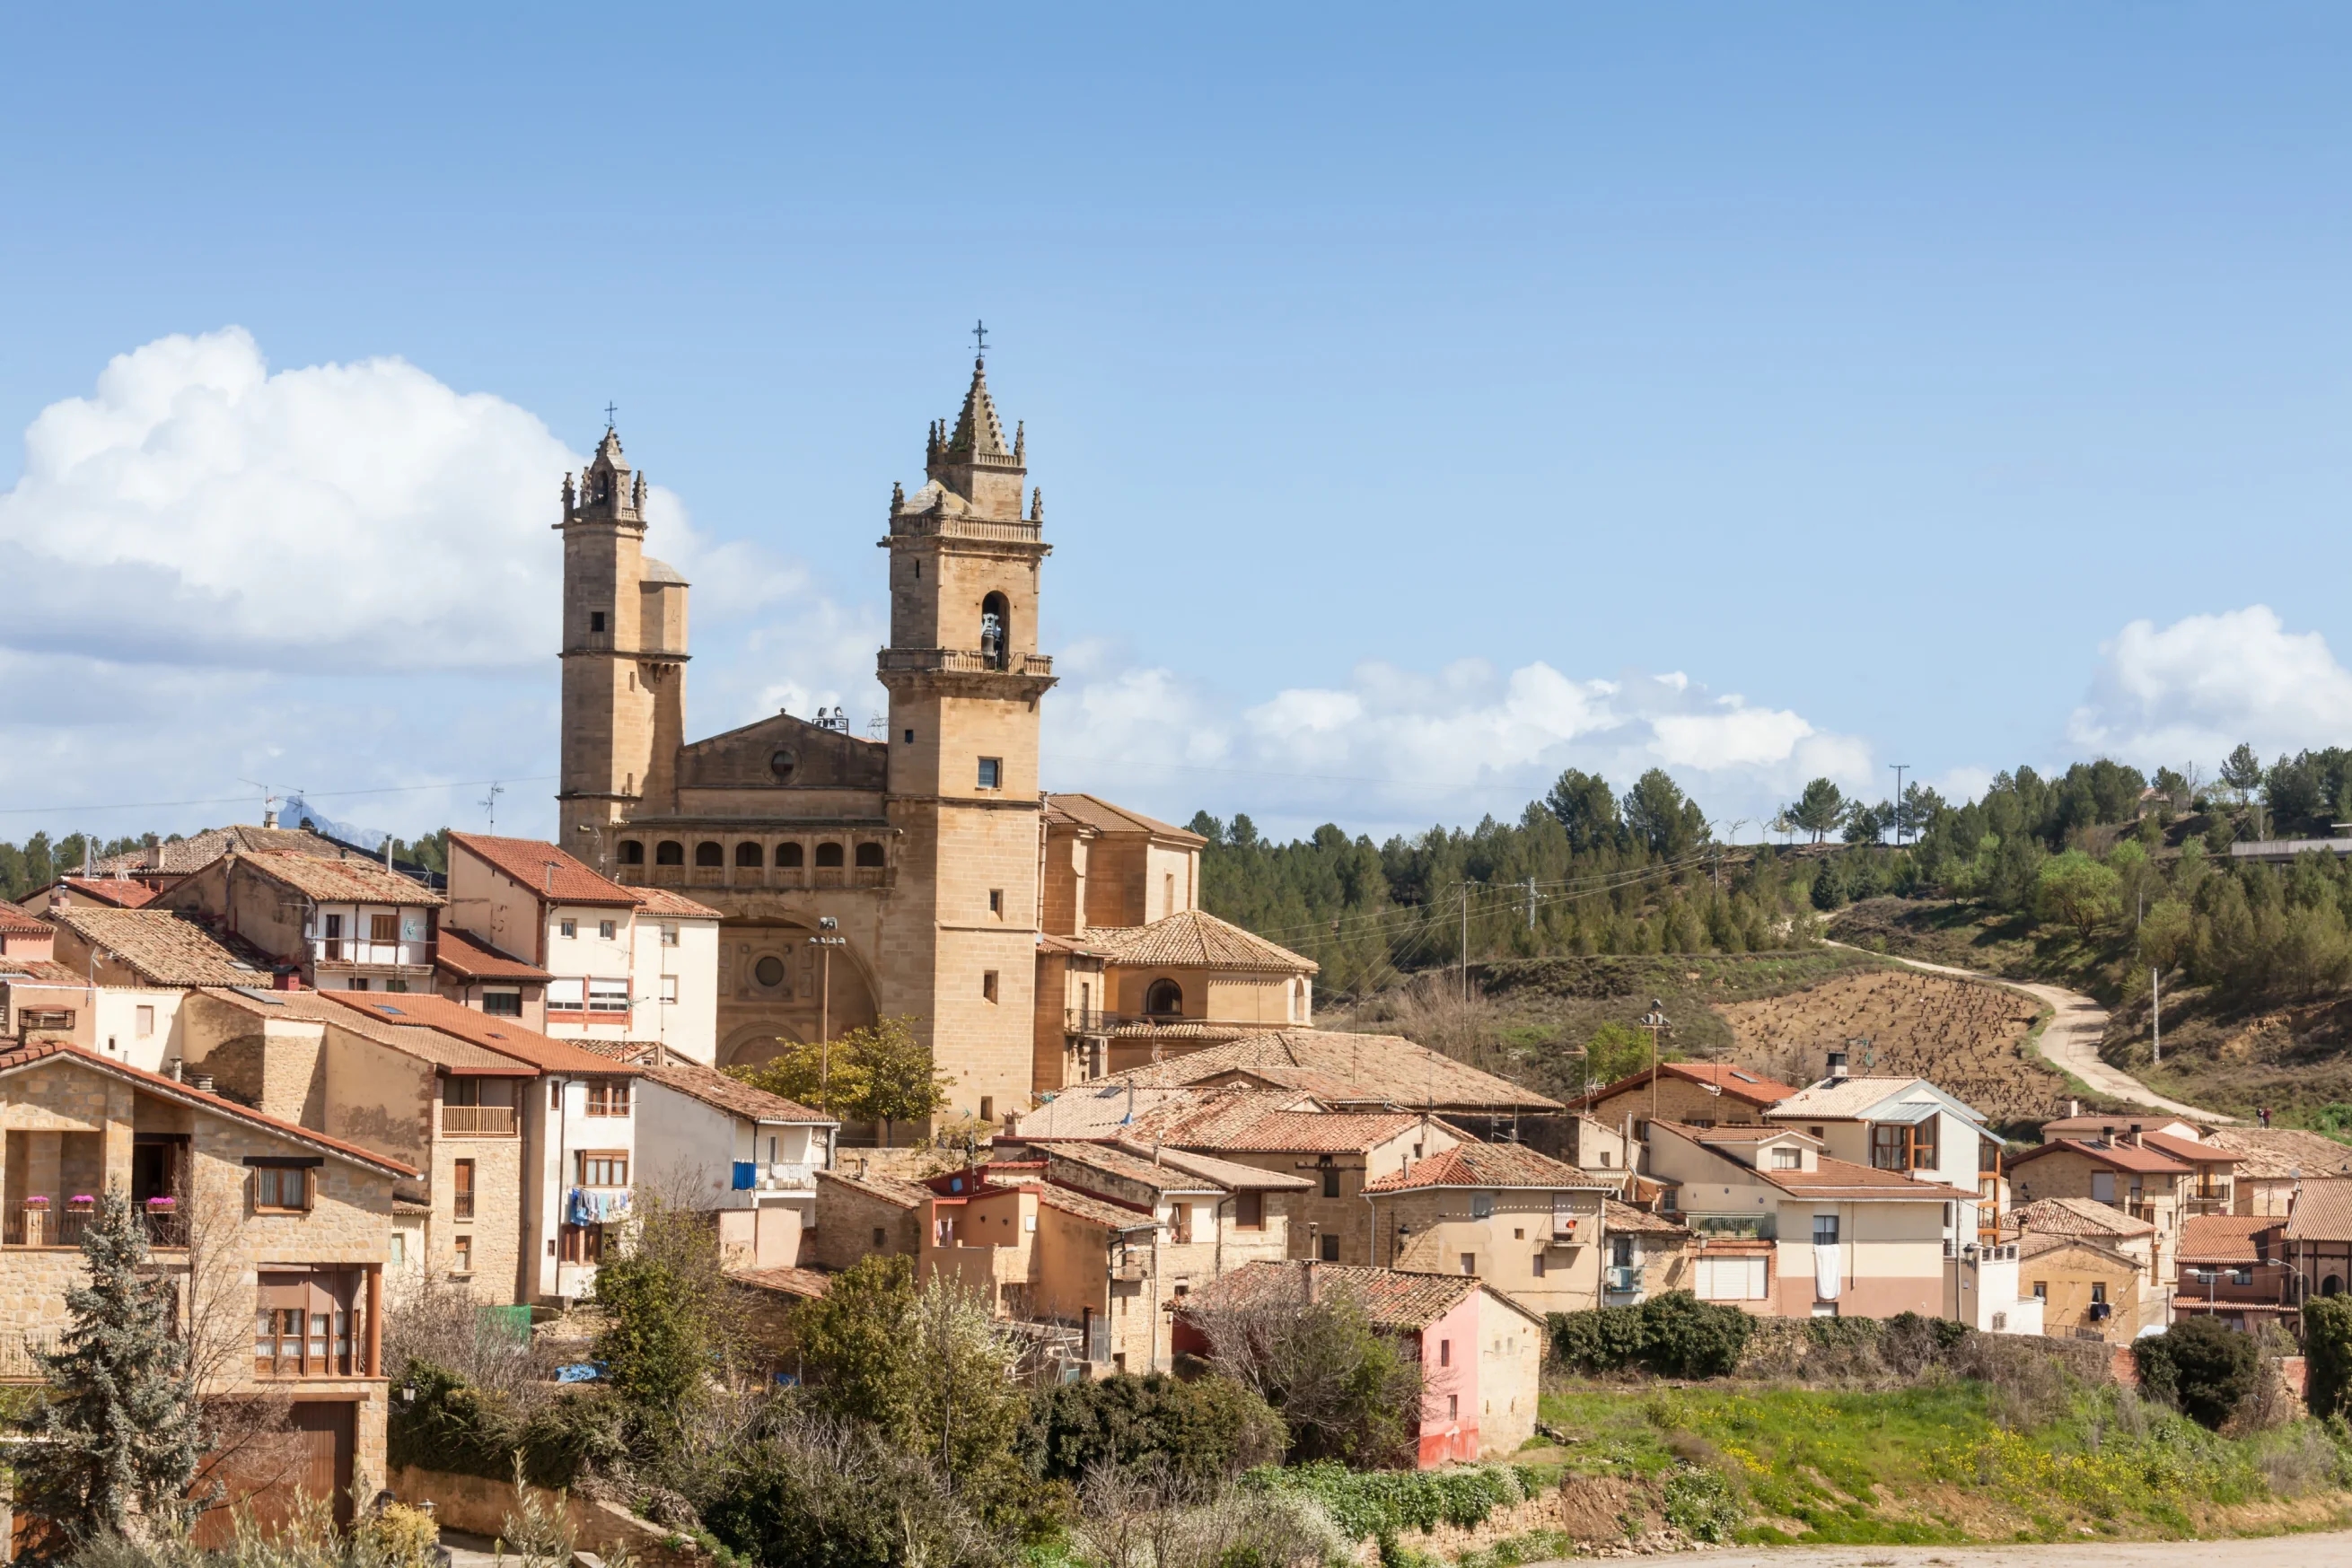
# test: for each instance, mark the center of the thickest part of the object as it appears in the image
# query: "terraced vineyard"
(1970, 1038)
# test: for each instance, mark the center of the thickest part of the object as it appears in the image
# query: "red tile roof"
(2223, 1238)
(1094, 812)
(732, 1096)
(1195, 939)
(156, 1083)
(14, 921)
(2078, 1216)
(1625, 1216)
(660, 900)
(167, 946)
(1278, 1132)
(1487, 1165)
(473, 959)
(545, 869)
(889, 1188)
(1347, 1069)
(1734, 1081)
(1393, 1299)
(502, 1035)
(2323, 1211)
(2121, 1156)
(1830, 1178)
(1094, 1210)
(2189, 1149)
(339, 882)
(806, 1284)
(120, 892)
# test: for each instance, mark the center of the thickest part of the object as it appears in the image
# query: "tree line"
(27, 868)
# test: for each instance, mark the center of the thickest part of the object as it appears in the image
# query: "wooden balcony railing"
(478, 1121)
(19, 1352)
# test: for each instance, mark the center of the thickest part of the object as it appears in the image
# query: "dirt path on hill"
(2071, 1039)
(2326, 1551)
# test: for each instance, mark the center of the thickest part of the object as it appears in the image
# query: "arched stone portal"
(771, 986)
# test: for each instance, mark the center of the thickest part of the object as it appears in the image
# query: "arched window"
(870, 854)
(995, 631)
(790, 855)
(750, 854)
(669, 852)
(632, 851)
(828, 855)
(2331, 1286)
(1164, 999)
(710, 852)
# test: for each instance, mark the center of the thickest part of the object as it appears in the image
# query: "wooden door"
(309, 1455)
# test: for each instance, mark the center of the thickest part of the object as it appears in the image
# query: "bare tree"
(1345, 1389)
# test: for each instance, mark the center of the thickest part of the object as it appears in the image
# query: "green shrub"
(459, 1429)
(1202, 1430)
(2202, 1365)
(1606, 1339)
(2327, 1342)
(1381, 1504)
(1702, 1503)
(1673, 1336)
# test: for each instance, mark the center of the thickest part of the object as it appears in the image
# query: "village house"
(2126, 1173)
(2316, 1244)
(1481, 1353)
(21, 936)
(340, 925)
(118, 890)
(1597, 1148)
(2087, 1290)
(861, 1213)
(275, 1235)
(2274, 1161)
(1909, 1126)
(1783, 1229)
(1649, 1254)
(142, 964)
(747, 1158)
(2232, 1268)
(638, 965)
(471, 972)
(1528, 1225)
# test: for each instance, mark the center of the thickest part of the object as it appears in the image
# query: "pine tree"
(119, 1430)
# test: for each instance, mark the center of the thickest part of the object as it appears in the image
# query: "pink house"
(1481, 1352)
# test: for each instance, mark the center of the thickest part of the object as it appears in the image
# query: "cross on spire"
(609, 412)
(979, 338)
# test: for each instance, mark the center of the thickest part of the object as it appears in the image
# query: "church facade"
(923, 872)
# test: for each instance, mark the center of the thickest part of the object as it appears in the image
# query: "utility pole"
(1465, 940)
(2155, 1017)
(825, 943)
(1655, 1021)
(1900, 769)
(1532, 903)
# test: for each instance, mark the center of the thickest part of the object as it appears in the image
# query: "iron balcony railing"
(1624, 1277)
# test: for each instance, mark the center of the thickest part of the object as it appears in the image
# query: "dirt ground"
(1967, 1037)
(2328, 1550)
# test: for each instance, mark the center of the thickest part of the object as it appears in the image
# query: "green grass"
(1870, 1469)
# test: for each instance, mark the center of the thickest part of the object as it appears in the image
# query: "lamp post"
(1655, 1021)
(825, 942)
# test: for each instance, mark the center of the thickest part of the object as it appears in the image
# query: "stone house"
(340, 925)
(1649, 1254)
(747, 1158)
(140, 964)
(1481, 1353)
(276, 1235)
(861, 1213)
(1784, 1230)
(623, 963)
(2317, 1240)
(2126, 1174)
(2086, 1291)
(2232, 1267)
(1689, 1093)
(1528, 1226)
(2274, 1161)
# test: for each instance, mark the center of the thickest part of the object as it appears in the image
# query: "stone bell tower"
(624, 652)
(965, 679)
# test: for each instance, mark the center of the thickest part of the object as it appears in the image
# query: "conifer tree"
(120, 1431)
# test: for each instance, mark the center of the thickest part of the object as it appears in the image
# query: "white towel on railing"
(1826, 1271)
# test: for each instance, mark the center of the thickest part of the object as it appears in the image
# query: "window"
(2098, 1292)
(791, 857)
(1249, 1211)
(502, 1004)
(632, 851)
(870, 856)
(608, 995)
(828, 855)
(1331, 1174)
(1640, 1132)
(1621, 1251)
(302, 1325)
(580, 1244)
(282, 1188)
(2242, 1275)
(669, 987)
(144, 1022)
(709, 853)
(669, 936)
(609, 1099)
(1168, 893)
(769, 971)
(603, 1169)
(359, 985)
(1165, 998)
(461, 1255)
(1826, 1229)
(995, 631)
(669, 852)
(996, 902)
(567, 996)
(398, 1256)
(750, 855)
(1538, 1268)
(911, 737)
(881, 1239)
(988, 1107)
(595, 621)
(1330, 1250)
(1888, 1147)
(1787, 1159)
(1454, 1407)
(461, 1190)
(567, 928)
(992, 772)
(1469, 1262)
(1482, 1206)
(383, 927)
(988, 983)
(1446, 1353)
(607, 929)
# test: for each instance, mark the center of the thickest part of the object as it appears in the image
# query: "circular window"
(769, 971)
(784, 764)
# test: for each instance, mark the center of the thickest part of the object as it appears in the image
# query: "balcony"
(478, 1121)
(785, 1176)
(19, 1351)
(1623, 1278)
(50, 1224)
(356, 953)
(963, 662)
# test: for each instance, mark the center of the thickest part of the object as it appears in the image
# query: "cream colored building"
(925, 840)
(1528, 1226)
(342, 925)
(748, 1158)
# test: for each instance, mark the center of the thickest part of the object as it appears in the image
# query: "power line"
(239, 800)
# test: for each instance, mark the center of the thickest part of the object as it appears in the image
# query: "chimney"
(1837, 1064)
(1306, 1273)
(269, 816)
(2073, 1109)
(201, 1082)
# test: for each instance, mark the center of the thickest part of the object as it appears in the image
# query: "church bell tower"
(965, 679)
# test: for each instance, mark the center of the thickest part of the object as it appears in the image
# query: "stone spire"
(973, 460)
(978, 432)
(609, 491)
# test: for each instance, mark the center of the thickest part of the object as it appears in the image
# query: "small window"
(988, 983)
(992, 772)
(1330, 1251)
(567, 928)
(769, 971)
(144, 1022)
(1249, 1211)
(669, 852)
(1454, 1407)
(870, 856)
(461, 1189)
(502, 1004)
(461, 1255)
(632, 851)
(881, 1239)
(609, 1099)
(709, 853)
(1446, 1353)
(911, 737)
(1164, 999)
(1787, 1159)
(995, 904)
(608, 995)
(669, 987)
(383, 927)
(2099, 1293)
(988, 1108)
(1330, 1181)
(1469, 1262)
(604, 1169)
(1539, 1265)
(282, 1190)
(595, 621)
(607, 929)
(1482, 1206)
(784, 764)
(792, 856)
(750, 856)
(828, 855)
(398, 1256)
(1826, 1229)
(669, 936)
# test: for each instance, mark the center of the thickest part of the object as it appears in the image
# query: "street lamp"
(825, 943)
(1655, 1021)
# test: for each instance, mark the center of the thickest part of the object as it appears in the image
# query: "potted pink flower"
(163, 1203)
(82, 1203)
(38, 1200)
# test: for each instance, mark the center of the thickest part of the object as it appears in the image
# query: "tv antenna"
(489, 803)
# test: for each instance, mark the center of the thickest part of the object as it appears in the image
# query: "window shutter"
(252, 1192)
(309, 1190)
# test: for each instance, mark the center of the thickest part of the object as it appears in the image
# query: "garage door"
(308, 1452)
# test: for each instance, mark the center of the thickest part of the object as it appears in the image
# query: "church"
(1035, 941)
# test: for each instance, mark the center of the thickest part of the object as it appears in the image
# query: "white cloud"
(2192, 691)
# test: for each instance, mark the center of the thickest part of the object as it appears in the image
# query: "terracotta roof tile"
(1094, 811)
(2276, 1153)
(1393, 1299)
(1829, 1178)
(2189, 1149)
(1127, 1166)
(1735, 1081)
(475, 959)
(660, 900)
(182, 856)
(545, 869)
(2223, 1238)
(504, 1036)
(731, 1096)
(1298, 1132)
(1379, 1068)
(2121, 1156)
(2323, 1211)
(116, 892)
(1487, 1165)
(1193, 939)
(1852, 1099)
(341, 881)
(47, 971)
(1227, 1174)
(14, 921)
(156, 1083)
(1616, 1216)
(2077, 1217)
(166, 946)
(889, 1188)
(1094, 1210)
(2037, 1244)
(806, 1284)
(424, 1044)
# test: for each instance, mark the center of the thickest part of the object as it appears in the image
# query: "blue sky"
(1411, 392)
